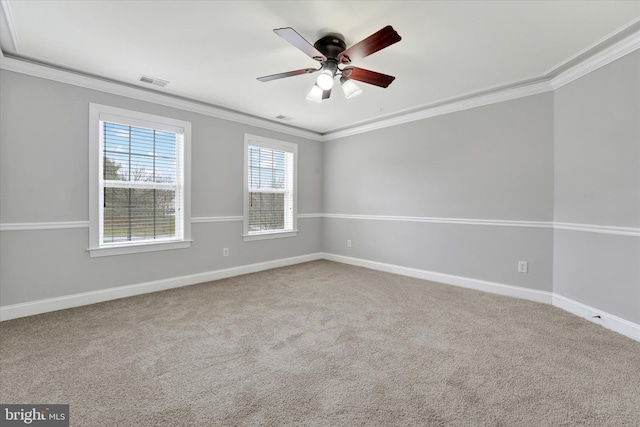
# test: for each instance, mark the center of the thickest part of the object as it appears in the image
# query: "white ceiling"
(212, 51)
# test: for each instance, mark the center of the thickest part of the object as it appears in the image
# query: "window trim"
(260, 141)
(98, 113)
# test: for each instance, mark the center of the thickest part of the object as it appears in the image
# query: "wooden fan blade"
(375, 42)
(292, 36)
(366, 76)
(287, 74)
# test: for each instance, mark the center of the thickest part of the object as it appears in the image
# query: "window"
(139, 182)
(270, 188)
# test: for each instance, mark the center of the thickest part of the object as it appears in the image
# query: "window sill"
(138, 248)
(270, 235)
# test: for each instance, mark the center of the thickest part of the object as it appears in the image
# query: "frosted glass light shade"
(325, 80)
(315, 94)
(349, 88)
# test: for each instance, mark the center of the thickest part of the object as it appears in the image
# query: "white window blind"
(139, 190)
(270, 186)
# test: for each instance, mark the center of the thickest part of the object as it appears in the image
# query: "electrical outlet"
(225, 251)
(523, 267)
(348, 243)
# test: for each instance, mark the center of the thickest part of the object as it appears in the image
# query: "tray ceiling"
(212, 51)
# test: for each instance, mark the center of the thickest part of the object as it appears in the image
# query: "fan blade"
(292, 36)
(375, 42)
(287, 74)
(366, 76)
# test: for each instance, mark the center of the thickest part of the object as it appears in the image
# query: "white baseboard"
(14, 311)
(609, 321)
(464, 282)
(75, 300)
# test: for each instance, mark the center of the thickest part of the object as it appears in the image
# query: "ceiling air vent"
(153, 81)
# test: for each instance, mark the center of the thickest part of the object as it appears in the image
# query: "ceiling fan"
(332, 53)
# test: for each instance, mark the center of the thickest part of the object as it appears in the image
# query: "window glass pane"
(141, 168)
(133, 214)
(265, 177)
(270, 202)
(116, 214)
(133, 154)
(138, 154)
(266, 211)
(266, 168)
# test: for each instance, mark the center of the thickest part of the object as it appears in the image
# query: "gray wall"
(44, 178)
(572, 156)
(597, 182)
(493, 162)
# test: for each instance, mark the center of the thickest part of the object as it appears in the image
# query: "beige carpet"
(325, 344)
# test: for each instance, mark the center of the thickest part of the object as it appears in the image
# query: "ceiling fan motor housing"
(330, 46)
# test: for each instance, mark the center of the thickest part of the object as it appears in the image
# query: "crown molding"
(600, 45)
(8, 27)
(90, 82)
(473, 100)
(614, 46)
(598, 60)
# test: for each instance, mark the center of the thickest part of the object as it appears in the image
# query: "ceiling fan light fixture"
(349, 88)
(315, 94)
(325, 80)
(331, 51)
